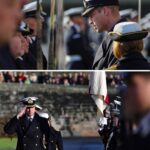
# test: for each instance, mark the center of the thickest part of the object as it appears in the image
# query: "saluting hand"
(21, 113)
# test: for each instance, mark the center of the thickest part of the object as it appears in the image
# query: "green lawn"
(7, 144)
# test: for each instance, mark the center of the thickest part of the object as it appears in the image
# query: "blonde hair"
(122, 48)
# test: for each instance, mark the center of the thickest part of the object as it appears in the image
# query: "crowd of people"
(78, 78)
(115, 80)
(45, 78)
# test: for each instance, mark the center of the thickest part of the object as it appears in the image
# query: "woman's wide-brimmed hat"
(127, 31)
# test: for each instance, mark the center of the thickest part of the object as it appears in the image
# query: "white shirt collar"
(33, 38)
(20, 58)
(31, 117)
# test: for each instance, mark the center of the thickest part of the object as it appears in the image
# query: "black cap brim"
(87, 12)
(90, 5)
(25, 32)
(128, 37)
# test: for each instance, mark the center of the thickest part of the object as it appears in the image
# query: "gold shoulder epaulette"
(113, 67)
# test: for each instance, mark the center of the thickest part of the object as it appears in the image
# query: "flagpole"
(51, 54)
(60, 52)
(139, 10)
(38, 44)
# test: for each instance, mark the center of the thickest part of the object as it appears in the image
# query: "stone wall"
(69, 106)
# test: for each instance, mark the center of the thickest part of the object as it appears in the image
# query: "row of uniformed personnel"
(19, 52)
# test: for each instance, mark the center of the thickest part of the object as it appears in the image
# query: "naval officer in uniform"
(79, 52)
(11, 56)
(103, 16)
(31, 129)
(30, 17)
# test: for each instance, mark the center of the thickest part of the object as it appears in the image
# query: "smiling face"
(10, 15)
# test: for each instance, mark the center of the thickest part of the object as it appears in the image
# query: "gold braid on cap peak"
(30, 101)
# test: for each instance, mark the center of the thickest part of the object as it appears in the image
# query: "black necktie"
(29, 121)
